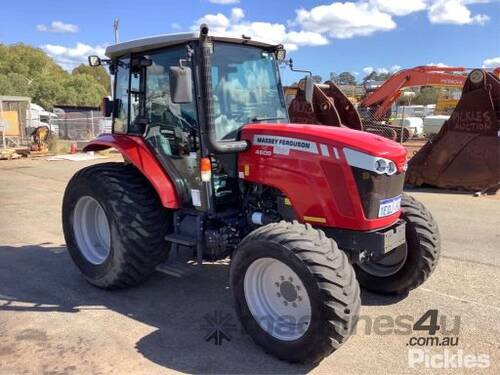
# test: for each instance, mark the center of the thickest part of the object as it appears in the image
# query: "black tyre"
(405, 269)
(296, 293)
(114, 225)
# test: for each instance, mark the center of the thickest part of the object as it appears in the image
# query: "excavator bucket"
(329, 107)
(465, 154)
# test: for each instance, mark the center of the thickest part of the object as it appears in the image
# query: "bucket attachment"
(465, 154)
(329, 106)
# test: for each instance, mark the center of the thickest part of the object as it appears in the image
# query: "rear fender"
(136, 152)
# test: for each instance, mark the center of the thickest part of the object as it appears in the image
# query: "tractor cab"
(188, 96)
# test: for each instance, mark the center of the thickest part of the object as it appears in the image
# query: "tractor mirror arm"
(289, 62)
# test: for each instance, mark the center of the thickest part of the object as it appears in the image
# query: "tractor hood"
(318, 138)
(331, 176)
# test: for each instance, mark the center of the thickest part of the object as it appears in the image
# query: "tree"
(93, 92)
(334, 77)
(374, 76)
(427, 95)
(346, 78)
(99, 73)
(28, 71)
(317, 79)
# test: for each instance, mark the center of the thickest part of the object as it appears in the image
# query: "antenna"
(116, 27)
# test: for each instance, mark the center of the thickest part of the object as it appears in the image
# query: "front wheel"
(406, 267)
(296, 293)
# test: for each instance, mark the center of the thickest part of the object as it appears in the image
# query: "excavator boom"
(383, 97)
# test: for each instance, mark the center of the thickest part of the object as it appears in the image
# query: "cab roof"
(165, 40)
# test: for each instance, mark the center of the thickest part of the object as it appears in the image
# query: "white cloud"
(58, 27)
(399, 7)
(277, 32)
(237, 14)
(69, 57)
(455, 12)
(439, 64)
(494, 62)
(224, 2)
(369, 69)
(216, 22)
(345, 20)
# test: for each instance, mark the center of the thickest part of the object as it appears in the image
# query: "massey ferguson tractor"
(213, 169)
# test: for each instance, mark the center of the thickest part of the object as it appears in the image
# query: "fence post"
(92, 122)
(402, 126)
(4, 125)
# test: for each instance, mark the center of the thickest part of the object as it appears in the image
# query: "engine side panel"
(135, 150)
(314, 174)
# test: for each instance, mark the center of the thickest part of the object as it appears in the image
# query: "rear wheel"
(114, 225)
(296, 293)
(405, 268)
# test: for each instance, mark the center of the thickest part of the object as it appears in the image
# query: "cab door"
(170, 129)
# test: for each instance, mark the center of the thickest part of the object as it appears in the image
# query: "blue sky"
(323, 36)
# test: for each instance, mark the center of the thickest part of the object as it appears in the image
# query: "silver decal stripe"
(359, 159)
(285, 143)
(336, 152)
(324, 150)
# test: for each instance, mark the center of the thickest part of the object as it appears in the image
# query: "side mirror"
(309, 89)
(181, 84)
(95, 61)
(280, 54)
(106, 106)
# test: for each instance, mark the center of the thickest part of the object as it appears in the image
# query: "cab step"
(179, 239)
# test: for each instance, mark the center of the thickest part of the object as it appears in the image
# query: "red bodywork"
(135, 151)
(389, 92)
(320, 186)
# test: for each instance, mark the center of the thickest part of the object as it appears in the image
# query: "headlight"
(368, 162)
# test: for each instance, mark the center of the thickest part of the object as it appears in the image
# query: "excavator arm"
(383, 97)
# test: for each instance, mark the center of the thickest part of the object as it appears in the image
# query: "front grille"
(374, 187)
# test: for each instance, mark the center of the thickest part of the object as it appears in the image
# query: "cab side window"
(175, 124)
(121, 111)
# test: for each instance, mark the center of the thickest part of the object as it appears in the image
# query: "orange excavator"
(380, 100)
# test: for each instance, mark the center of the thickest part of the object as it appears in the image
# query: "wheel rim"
(387, 266)
(91, 229)
(277, 299)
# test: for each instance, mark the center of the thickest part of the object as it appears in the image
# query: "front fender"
(135, 151)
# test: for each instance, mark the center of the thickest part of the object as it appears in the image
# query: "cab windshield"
(246, 88)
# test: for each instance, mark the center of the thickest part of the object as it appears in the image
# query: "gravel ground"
(53, 322)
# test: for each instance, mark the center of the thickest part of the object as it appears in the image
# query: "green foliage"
(99, 73)
(427, 95)
(317, 79)
(334, 77)
(28, 71)
(346, 78)
(374, 76)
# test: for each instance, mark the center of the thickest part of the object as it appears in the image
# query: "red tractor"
(212, 169)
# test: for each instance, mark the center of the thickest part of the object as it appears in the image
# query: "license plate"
(389, 206)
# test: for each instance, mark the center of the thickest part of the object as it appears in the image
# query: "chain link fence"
(79, 125)
(401, 123)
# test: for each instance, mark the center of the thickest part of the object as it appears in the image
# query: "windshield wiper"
(258, 119)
